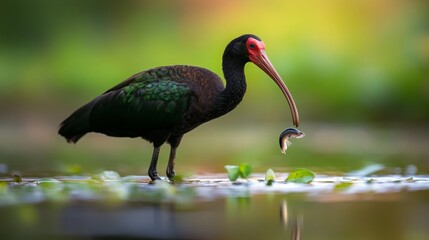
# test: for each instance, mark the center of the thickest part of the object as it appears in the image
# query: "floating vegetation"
(342, 186)
(243, 170)
(107, 176)
(367, 170)
(233, 172)
(107, 186)
(17, 179)
(301, 175)
(111, 188)
(270, 177)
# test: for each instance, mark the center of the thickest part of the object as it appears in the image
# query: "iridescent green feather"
(164, 90)
(153, 98)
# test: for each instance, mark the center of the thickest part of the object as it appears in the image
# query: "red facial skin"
(258, 56)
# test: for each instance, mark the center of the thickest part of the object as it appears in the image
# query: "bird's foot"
(154, 175)
(171, 174)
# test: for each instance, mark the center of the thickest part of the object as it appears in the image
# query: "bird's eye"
(251, 45)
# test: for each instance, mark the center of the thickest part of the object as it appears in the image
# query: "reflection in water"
(283, 212)
(393, 216)
(152, 221)
(294, 221)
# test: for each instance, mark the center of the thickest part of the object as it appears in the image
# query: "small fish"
(286, 134)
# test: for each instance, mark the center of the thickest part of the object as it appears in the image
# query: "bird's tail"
(77, 124)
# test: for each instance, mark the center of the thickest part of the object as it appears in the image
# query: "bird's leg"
(153, 173)
(174, 142)
(170, 167)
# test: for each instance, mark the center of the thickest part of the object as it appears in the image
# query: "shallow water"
(212, 207)
(62, 197)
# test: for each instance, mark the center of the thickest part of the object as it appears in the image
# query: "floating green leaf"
(371, 180)
(269, 175)
(233, 172)
(245, 170)
(410, 179)
(367, 170)
(342, 186)
(301, 175)
(17, 179)
(107, 176)
(178, 179)
(49, 184)
(47, 180)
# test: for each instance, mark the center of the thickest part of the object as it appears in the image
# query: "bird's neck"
(231, 96)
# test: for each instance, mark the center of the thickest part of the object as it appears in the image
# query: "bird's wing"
(159, 73)
(149, 100)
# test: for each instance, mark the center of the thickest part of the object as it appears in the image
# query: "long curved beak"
(261, 60)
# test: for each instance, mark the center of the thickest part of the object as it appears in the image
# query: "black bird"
(162, 104)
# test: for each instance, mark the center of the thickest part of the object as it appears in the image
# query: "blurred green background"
(358, 71)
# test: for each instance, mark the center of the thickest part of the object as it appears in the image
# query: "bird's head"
(250, 48)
